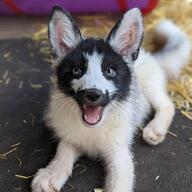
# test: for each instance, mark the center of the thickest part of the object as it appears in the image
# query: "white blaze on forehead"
(93, 78)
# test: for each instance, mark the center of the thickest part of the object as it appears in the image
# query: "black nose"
(93, 96)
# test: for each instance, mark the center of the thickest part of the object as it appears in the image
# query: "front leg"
(54, 176)
(120, 171)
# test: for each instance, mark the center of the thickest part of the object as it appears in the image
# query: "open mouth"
(92, 114)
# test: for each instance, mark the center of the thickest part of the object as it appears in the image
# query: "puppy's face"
(94, 72)
(94, 75)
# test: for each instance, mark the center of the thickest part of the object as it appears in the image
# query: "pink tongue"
(92, 114)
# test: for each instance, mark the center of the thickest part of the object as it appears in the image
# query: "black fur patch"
(111, 59)
(114, 29)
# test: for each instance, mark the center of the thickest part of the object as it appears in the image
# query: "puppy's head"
(94, 72)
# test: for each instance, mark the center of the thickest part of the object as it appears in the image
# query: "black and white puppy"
(103, 91)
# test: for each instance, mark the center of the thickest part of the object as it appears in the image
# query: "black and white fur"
(128, 82)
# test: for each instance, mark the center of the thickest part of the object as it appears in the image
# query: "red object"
(12, 5)
(122, 5)
(152, 5)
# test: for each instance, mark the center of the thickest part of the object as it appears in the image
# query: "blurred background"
(25, 76)
(28, 14)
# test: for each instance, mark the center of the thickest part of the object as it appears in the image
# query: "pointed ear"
(64, 34)
(127, 35)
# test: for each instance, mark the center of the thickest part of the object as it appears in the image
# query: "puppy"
(104, 90)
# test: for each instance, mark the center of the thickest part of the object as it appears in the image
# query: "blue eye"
(110, 72)
(76, 71)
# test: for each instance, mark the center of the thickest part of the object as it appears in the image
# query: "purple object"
(42, 7)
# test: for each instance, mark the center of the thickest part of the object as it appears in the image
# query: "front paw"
(152, 135)
(46, 181)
